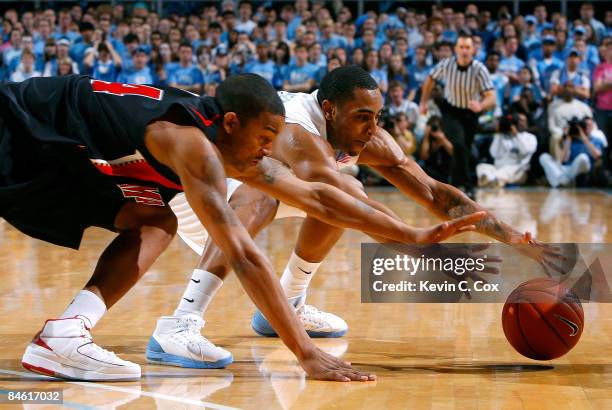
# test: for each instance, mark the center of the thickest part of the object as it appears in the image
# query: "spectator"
(544, 64)
(61, 52)
(436, 151)
(571, 75)
(64, 66)
(139, 73)
(371, 65)
(587, 15)
(511, 151)
(27, 43)
(602, 89)
(13, 49)
(245, 24)
(187, 75)
(579, 153)
(396, 71)
(525, 81)
(281, 65)
(330, 40)
(527, 106)
(510, 64)
(77, 51)
(263, 65)
(25, 69)
(500, 82)
(103, 62)
(399, 104)
(419, 70)
(64, 30)
(402, 133)
(559, 115)
(301, 74)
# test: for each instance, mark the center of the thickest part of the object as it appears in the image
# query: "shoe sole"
(263, 328)
(158, 356)
(37, 361)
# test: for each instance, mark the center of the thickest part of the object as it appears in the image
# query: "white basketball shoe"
(177, 341)
(316, 322)
(64, 348)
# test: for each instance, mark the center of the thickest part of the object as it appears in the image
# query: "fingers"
(467, 228)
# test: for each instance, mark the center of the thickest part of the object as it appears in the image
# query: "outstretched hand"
(548, 256)
(323, 366)
(446, 229)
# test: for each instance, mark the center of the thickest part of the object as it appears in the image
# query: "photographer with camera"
(511, 149)
(436, 151)
(579, 153)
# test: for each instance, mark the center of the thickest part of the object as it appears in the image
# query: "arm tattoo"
(273, 170)
(457, 204)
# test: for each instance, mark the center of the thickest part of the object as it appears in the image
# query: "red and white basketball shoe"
(64, 348)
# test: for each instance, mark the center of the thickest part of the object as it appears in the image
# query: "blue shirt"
(545, 69)
(418, 75)
(515, 92)
(265, 70)
(190, 75)
(132, 76)
(335, 41)
(299, 75)
(511, 64)
(106, 71)
(77, 52)
(579, 147)
(281, 73)
(170, 67)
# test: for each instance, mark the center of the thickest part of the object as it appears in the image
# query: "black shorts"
(52, 192)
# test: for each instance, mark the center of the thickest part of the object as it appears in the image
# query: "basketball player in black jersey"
(77, 152)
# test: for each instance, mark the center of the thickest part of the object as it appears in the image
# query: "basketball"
(542, 319)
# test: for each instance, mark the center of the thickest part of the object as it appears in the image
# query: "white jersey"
(300, 108)
(304, 109)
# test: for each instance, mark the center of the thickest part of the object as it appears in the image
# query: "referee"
(468, 91)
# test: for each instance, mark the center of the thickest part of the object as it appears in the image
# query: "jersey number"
(126, 89)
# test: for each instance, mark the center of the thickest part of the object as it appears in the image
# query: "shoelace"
(93, 345)
(193, 328)
(312, 311)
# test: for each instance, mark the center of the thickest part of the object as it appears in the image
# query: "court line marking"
(168, 397)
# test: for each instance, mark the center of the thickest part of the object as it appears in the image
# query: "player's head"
(351, 103)
(253, 115)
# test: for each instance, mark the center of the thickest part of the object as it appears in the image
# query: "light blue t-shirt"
(299, 75)
(132, 76)
(190, 75)
(265, 70)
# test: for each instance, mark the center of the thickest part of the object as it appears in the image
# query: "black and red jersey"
(105, 120)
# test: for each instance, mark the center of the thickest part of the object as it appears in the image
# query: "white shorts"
(191, 231)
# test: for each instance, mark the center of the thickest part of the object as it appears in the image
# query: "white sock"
(297, 276)
(88, 305)
(201, 290)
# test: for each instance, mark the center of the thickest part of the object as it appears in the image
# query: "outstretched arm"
(197, 163)
(445, 201)
(336, 207)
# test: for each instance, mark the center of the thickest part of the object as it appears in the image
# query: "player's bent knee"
(135, 216)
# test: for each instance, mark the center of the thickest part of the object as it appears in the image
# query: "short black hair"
(339, 85)
(248, 95)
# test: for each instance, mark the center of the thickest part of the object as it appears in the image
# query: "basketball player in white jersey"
(325, 131)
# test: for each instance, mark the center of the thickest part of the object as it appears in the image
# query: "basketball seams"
(579, 314)
(554, 329)
(520, 328)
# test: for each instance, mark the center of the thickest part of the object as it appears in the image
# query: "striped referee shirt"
(462, 85)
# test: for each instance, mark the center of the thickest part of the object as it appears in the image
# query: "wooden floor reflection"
(425, 355)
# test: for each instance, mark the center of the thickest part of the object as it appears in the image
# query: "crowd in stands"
(552, 73)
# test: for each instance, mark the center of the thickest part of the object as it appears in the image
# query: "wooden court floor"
(434, 356)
